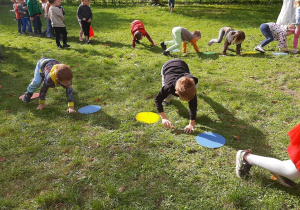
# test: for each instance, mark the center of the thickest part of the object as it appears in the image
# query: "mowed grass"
(107, 160)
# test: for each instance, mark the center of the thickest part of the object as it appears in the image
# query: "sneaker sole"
(237, 163)
(259, 50)
(293, 184)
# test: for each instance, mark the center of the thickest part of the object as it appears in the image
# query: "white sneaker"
(260, 49)
(80, 39)
(294, 51)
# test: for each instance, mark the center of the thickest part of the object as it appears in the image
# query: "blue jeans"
(48, 23)
(265, 29)
(37, 80)
(37, 25)
(26, 22)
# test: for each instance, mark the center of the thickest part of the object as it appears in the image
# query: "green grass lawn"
(51, 159)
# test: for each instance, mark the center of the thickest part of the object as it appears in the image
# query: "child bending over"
(231, 37)
(52, 74)
(138, 31)
(84, 13)
(273, 31)
(284, 171)
(181, 34)
(178, 81)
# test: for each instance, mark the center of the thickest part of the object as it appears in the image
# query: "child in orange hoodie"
(181, 34)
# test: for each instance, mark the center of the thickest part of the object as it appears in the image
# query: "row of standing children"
(54, 17)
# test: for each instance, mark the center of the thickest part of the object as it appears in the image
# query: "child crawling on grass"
(231, 37)
(52, 74)
(178, 81)
(181, 34)
(138, 31)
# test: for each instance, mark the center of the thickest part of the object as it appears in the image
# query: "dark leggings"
(58, 31)
(86, 28)
(265, 29)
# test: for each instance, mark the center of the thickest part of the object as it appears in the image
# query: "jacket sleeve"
(30, 9)
(162, 94)
(226, 44)
(149, 38)
(238, 49)
(194, 43)
(79, 12)
(193, 108)
(69, 94)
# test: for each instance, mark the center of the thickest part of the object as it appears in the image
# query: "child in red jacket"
(138, 31)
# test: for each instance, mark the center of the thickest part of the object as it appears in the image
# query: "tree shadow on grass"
(238, 133)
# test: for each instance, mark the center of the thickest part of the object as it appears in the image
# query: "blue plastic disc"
(279, 53)
(89, 109)
(211, 140)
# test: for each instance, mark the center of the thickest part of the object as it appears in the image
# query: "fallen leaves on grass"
(2, 159)
(237, 138)
(97, 100)
(286, 123)
(122, 189)
(274, 102)
(94, 146)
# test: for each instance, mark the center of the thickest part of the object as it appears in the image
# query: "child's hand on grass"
(189, 128)
(167, 123)
(41, 106)
(71, 109)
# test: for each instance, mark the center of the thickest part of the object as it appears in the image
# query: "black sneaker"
(166, 53)
(27, 97)
(164, 103)
(163, 46)
(285, 181)
(137, 42)
(66, 45)
(242, 166)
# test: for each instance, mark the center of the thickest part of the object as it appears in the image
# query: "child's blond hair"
(63, 72)
(186, 89)
(297, 3)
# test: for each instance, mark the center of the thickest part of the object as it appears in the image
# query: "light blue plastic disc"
(89, 109)
(279, 53)
(211, 140)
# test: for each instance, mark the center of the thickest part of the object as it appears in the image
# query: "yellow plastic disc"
(147, 117)
(250, 53)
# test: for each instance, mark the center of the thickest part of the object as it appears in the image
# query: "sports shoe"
(210, 43)
(294, 51)
(166, 53)
(137, 42)
(242, 166)
(80, 39)
(260, 49)
(66, 45)
(27, 97)
(88, 42)
(163, 46)
(165, 103)
(285, 181)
